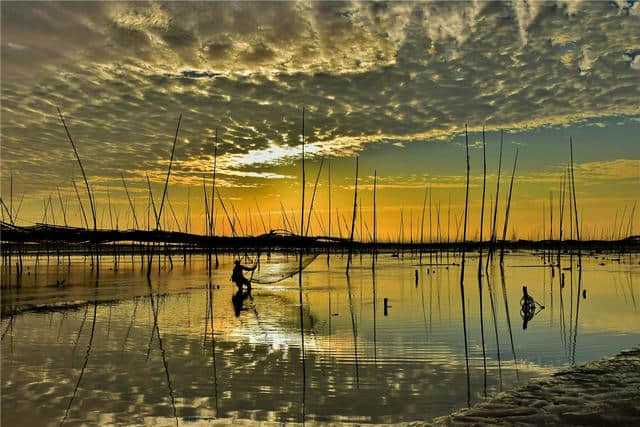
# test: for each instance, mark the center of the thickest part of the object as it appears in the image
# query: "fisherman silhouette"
(238, 277)
(529, 307)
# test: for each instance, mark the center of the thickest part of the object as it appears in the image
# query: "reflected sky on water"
(120, 349)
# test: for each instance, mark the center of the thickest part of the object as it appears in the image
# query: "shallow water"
(120, 349)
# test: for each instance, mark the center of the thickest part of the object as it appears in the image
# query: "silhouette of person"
(528, 307)
(238, 300)
(238, 277)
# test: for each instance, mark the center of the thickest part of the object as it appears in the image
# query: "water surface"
(117, 348)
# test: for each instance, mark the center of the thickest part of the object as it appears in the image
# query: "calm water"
(121, 350)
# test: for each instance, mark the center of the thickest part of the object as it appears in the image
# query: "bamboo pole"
(153, 203)
(303, 179)
(329, 197)
(506, 216)
(484, 185)
(212, 223)
(11, 199)
(109, 206)
(84, 215)
(264, 226)
(133, 210)
(62, 208)
(353, 217)
(235, 215)
(424, 205)
(313, 197)
(233, 228)
(573, 186)
(375, 221)
(84, 175)
(166, 182)
(464, 242)
(480, 298)
(495, 206)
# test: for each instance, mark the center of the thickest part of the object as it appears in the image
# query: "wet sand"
(605, 392)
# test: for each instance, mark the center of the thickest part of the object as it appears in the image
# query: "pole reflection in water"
(484, 352)
(506, 310)
(213, 350)
(155, 307)
(302, 353)
(374, 297)
(495, 326)
(354, 329)
(84, 365)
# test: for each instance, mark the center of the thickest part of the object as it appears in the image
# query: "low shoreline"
(48, 238)
(604, 392)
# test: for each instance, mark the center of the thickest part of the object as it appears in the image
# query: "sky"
(393, 83)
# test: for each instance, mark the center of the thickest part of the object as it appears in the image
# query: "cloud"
(619, 169)
(368, 72)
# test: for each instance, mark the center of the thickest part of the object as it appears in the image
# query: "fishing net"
(280, 268)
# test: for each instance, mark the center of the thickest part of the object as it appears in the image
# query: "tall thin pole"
(573, 185)
(329, 197)
(495, 207)
(303, 178)
(375, 220)
(313, 197)
(550, 215)
(110, 211)
(11, 200)
(424, 205)
(353, 217)
(464, 242)
(133, 210)
(84, 175)
(64, 211)
(212, 223)
(166, 182)
(84, 215)
(506, 216)
(484, 185)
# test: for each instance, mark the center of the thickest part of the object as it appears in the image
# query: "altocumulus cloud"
(367, 72)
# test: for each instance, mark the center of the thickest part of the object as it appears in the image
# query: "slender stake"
(110, 210)
(153, 203)
(62, 208)
(506, 216)
(212, 223)
(84, 215)
(303, 178)
(166, 182)
(424, 206)
(207, 214)
(484, 185)
(573, 185)
(313, 197)
(464, 243)
(375, 218)
(329, 197)
(133, 210)
(264, 226)
(495, 207)
(353, 217)
(84, 175)
(233, 228)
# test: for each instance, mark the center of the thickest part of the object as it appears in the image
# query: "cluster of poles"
(345, 230)
(494, 244)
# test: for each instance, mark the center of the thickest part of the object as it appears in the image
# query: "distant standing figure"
(238, 277)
